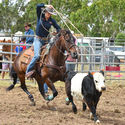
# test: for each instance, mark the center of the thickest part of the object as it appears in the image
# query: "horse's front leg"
(52, 87)
(40, 82)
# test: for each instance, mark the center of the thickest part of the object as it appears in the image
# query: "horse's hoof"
(10, 87)
(32, 104)
(49, 98)
(97, 122)
(67, 101)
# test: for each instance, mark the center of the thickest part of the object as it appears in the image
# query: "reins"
(41, 20)
(67, 48)
(65, 18)
(59, 68)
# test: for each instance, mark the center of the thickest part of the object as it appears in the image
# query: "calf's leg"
(93, 110)
(83, 106)
(70, 97)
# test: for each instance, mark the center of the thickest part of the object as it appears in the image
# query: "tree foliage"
(10, 14)
(101, 18)
(91, 17)
(120, 39)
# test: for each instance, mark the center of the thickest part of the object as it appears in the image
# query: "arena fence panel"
(96, 53)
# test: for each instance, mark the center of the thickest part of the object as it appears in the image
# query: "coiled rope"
(62, 18)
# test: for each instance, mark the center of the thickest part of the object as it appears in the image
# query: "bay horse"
(50, 68)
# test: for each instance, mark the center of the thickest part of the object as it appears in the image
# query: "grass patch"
(33, 83)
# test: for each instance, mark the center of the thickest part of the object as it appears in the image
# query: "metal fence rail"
(96, 54)
(99, 55)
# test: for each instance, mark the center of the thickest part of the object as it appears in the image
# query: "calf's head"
(99, 81)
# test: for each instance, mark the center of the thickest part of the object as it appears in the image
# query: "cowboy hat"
(50, 10)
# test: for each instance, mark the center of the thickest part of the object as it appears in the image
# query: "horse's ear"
(63, 32)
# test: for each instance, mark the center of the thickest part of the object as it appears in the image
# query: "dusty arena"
(15, 108)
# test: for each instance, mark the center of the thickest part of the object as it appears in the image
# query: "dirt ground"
(15, 108)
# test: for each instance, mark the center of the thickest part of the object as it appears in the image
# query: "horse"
(7, 48)
(50, 67)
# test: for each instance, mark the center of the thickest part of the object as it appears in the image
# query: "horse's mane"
(62, 31)
(57, 36)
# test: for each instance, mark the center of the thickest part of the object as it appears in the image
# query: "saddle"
(29, 53)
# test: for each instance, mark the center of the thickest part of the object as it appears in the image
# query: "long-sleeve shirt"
(42, 22)
(29, 40)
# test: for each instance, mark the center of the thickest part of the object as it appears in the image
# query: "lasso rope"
(42, 22)
(62, 16)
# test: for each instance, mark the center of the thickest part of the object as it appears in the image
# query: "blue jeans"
(38, 43)
(45, 88)
(70, 67)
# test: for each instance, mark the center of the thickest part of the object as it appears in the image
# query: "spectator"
(5, 65)
(28, 31)
(69, 66)
(18, 49)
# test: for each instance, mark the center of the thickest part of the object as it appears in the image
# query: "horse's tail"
(13, 75)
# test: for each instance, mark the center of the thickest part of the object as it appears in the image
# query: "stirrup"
(29, 74)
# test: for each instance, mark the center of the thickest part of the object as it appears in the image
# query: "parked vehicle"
(118, 51)
(98, 56)
(109, 57)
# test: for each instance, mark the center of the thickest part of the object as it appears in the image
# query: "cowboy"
(44, 23)
(28, 31)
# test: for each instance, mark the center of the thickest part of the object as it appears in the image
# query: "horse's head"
(68, 42)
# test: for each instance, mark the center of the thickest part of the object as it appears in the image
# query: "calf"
(85, 87)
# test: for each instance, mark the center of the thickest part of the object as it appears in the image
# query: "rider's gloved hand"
(50, 6)
(54, 33)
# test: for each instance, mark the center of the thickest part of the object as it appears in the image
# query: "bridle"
(60, 68)
(66, 46)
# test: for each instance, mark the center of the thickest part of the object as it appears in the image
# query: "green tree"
(63, 6)
(10, 14)
(120, 39)
(101, 18)
(92, 17)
